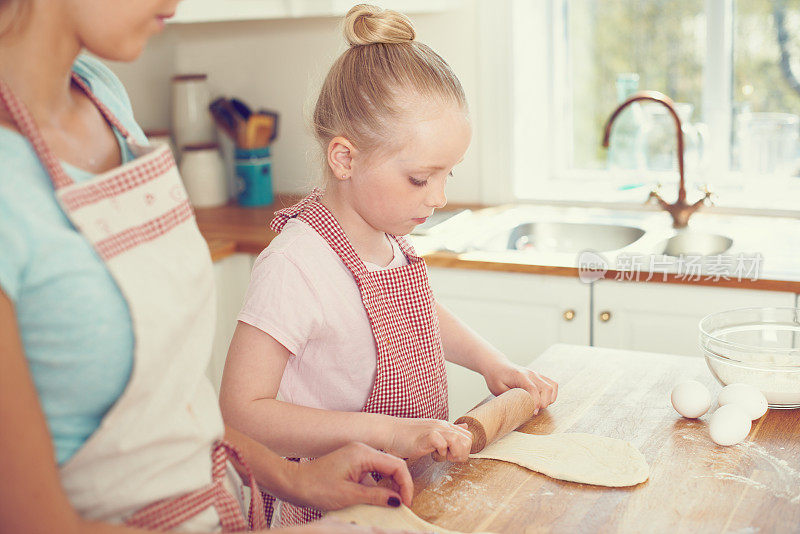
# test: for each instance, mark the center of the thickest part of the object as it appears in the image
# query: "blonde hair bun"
(365, 24)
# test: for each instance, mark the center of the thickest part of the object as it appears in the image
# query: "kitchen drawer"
(664, 317)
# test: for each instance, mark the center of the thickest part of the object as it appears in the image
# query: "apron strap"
(168, 514)
(312, 212)
(256, 517)
(407, 248)
(281, 217)
(107, 115)
(27, 127)
(320, 219)
(23, 119)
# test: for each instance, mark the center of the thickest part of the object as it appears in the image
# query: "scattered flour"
(441, 481)
(451, 493)
(787, 483)
(466, 495)
(746, 456)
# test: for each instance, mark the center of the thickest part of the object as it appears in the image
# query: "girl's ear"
(340, 157)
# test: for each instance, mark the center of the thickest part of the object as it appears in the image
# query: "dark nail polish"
(394, 502)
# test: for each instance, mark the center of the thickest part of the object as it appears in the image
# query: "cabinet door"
(232, 275)
(665, 317)
(520, 314)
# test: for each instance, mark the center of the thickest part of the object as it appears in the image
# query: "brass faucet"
(680, 210)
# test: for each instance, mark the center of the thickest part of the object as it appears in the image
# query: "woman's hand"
(506, 375)
(414, 438)
(342, 478)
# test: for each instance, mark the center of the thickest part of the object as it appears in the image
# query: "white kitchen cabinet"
(520, 314)
(664, 318)
(524, 314)
(231, 274)
(191, 11)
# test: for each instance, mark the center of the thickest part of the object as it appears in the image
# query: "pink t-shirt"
(302, 295)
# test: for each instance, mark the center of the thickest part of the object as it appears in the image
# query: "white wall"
(279, 64)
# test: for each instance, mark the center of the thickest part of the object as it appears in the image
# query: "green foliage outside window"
(664, 42)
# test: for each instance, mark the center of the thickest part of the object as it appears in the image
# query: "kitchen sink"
(571, 237)
(696, 243)
(552, 234)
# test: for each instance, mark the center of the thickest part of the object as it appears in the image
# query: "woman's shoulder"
(109, 89)
(95, 73)
(18, 160)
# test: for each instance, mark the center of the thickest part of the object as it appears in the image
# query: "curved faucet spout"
(680, 210)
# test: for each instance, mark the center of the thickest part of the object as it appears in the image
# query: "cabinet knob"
(568, 315)
(605, 316)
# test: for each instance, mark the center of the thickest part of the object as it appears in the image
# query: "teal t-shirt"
(75, 325)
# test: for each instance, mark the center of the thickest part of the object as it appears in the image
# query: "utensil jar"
(254, 176)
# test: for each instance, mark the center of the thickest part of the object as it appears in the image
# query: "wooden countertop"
(233, 228)
(694, 485)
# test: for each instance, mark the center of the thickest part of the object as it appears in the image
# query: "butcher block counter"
(694, 485)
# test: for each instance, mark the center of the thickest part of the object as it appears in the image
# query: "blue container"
(254, 176)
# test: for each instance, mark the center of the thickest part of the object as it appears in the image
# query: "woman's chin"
(128, 57)
(126, 51)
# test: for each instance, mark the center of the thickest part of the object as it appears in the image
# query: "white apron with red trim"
(157, 441)
(411, 380)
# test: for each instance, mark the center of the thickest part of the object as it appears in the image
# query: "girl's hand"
(414, 438)
(506, 375)
(342, 478)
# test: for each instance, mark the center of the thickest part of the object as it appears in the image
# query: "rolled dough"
(574, 457)
(402, 518)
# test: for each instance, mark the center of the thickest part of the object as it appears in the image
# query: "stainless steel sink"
(571, 237)
(550, 234)
(695, 243)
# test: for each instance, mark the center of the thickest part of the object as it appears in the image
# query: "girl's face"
(395, 193)
(118, 29)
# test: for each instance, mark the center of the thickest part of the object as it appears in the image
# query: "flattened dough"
(574, 457)
(401, 518)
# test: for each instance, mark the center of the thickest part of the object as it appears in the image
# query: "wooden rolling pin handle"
(478, 431)
(496, 418)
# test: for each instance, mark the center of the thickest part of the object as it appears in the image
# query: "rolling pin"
(496, 418)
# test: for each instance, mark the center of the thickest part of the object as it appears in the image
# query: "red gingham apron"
(157, 459)
(411, 380)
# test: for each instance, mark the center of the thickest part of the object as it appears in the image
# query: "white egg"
(729, 425)
(752, 401)
(690, 399)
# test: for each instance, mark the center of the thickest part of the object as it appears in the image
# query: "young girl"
(339, 318)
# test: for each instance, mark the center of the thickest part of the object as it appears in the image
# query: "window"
(616, 47)
(731, 66)
(766, 86)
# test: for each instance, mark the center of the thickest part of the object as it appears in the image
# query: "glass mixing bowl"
(757, 346)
